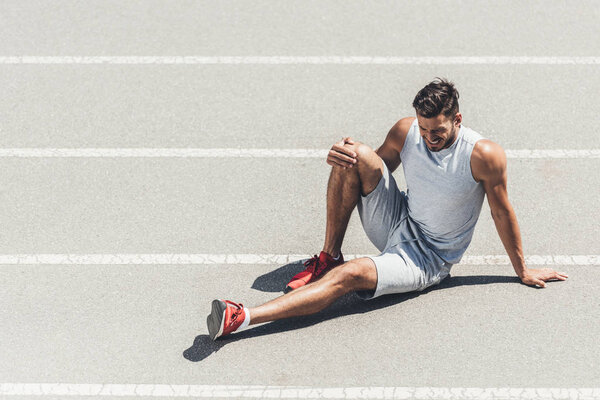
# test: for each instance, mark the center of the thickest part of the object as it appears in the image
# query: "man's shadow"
(349, 304)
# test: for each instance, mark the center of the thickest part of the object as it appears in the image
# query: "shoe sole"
(216, 319)
(289, 288)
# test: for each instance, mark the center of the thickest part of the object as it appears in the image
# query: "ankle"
(334, 254)
(246, 324)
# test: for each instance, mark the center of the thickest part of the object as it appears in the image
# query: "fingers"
(340, 147)
(341, 155)
(342, 159)
(535, 282)
(534, 279)
(561, 276)
(540, 283)
(552, 274)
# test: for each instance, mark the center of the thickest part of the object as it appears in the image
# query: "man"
(448, 167)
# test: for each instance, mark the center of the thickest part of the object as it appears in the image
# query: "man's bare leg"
(344, 189)
(357, 274)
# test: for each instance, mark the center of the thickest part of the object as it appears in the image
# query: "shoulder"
(400, 130)
(403, 125)
(488, 160)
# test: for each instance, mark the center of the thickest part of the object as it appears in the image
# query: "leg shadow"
(346, 305)
(275, 281)
(203, 347)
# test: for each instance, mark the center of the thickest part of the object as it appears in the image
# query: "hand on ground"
(540, 276)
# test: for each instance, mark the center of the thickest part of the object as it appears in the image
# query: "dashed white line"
(253, 259)
(317, 60)
(248, 153)
(294, 392)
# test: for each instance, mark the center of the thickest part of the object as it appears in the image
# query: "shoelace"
(315, 265)
(312, 264)
(236, 313)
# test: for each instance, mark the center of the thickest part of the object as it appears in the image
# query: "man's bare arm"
(390, 150)
(488, 164)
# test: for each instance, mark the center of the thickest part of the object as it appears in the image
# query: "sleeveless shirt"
(443, 199)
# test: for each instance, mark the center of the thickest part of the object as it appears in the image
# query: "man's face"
(439, 132)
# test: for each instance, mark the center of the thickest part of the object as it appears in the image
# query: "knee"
(368, 159)
(360, 148)
(349, 276)
(363, 150)
(363, 153)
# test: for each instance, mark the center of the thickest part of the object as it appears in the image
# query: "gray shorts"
(406, 263)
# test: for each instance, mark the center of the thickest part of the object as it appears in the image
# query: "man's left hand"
(540, 276)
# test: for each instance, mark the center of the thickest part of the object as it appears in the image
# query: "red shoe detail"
(316, 267)
(226, 317)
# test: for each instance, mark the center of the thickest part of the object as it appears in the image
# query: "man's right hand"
(341, 156)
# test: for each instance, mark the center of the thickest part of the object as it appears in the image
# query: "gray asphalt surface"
(301, 28)
(286, 106)
(247, 206)
(146, 324)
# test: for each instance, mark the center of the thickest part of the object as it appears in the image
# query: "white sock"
(246, 322)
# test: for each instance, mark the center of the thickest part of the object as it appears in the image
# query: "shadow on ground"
(347, 305)
(276, 280)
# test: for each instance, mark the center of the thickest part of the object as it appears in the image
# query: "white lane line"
(247, 153)
(253, 259)
(294, 392)
(319, 60)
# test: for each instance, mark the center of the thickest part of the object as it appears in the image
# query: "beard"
(450, 139)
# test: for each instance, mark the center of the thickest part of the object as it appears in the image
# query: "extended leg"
(357, 274)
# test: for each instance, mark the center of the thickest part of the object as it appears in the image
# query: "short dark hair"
(439, 96)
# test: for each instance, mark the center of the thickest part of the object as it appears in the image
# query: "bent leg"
(344, 188)
(357, 274)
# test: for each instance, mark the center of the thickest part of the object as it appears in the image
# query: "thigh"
(381, 209)
(396, 273)
(406, 267)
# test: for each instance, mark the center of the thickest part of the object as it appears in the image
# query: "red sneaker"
(226, 317)
(316, 267)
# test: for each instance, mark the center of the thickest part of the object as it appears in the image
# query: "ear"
(457, 119)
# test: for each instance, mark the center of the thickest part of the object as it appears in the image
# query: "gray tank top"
(443, 198)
